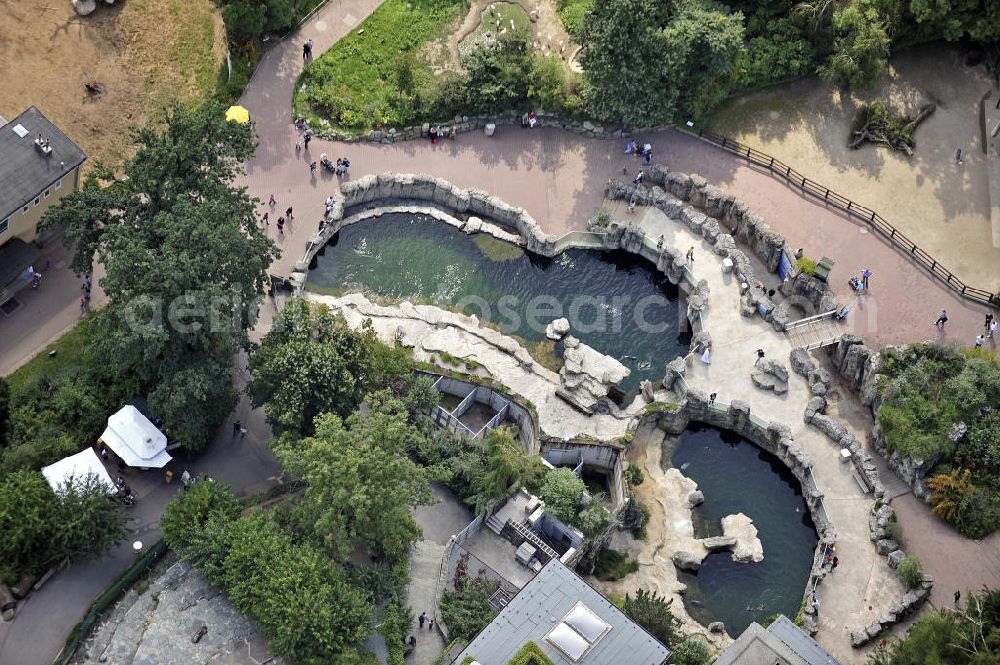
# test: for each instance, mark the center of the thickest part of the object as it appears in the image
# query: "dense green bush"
(946, 637)
(652, 611)
(530, 654)
(562, 491)
(249, 19)
(927, 390)
(613, 565)
(466, 609)
(691, 651)
(911, 570)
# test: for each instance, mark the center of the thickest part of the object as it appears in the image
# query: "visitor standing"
(865, 274)
(306, 139)
(281, 225)
(760, 356)
(659, 242)
(312, 168)
(430, 624)
(993, 329)
(979, 341)
(288, 213)
(834, 564)
(638, 177)
(942, 318)
(422, 619)
(711, 398)
(307, 50)
(237, 428)
(271, 201)
(266, 219)
(989, 320)
(690, 255)
(958, 597)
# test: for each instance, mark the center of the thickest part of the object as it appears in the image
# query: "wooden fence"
(793, 177)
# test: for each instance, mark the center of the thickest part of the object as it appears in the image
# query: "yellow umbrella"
(238, 114)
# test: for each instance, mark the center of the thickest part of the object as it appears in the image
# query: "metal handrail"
(895, 236)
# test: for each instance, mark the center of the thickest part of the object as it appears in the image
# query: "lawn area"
(571, 13)
(68, 356)
(378, 77)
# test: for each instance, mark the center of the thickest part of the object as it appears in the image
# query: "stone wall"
(730, 227)
(465, 123)
(774, 437)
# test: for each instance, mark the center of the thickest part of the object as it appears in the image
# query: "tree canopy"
(185, 265)
(361, 484)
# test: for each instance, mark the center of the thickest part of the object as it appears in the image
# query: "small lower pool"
(615, 302)
(737, 476)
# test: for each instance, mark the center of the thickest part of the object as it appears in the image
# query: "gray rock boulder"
(802, 362)
(587, 375)
(770, 375)
(84, 7)
(716, 627)
(696, 498)
(716, 543)
(686, 561)
(557, 329)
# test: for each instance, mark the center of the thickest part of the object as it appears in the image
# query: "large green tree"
(501, 470)
(647, 62)
(860, 47)
(185, 265)
(310, 363)
(562, 491)
(361, 484)
(652, 611)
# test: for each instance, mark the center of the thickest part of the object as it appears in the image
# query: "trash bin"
(490, 128)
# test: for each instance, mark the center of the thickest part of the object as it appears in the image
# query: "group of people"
(529, 120)
(282, 220)
(989, 327)
(860, 284)
(645, 151)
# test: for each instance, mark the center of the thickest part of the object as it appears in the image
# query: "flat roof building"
(569, 621)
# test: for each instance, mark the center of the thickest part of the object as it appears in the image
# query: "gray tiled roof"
(24, 169)
(541, 605)
(783, 643)
(806, 647)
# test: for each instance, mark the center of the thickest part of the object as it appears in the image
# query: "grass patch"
(497, 250)
(65, 353)
(661, 407)
(806, 265)
(612, 565)
(375, 77)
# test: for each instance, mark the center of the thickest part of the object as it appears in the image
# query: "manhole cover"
(9, 306)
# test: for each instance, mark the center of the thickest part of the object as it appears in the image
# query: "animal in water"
(645, 364)
(628, 357)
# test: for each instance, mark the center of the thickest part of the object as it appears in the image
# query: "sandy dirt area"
(938, 203)
(140, 53)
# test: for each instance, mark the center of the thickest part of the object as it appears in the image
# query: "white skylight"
(578, 632)
(19, 130)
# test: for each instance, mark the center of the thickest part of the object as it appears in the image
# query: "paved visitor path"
(556, 176)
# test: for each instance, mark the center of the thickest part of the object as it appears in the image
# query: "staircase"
(494, 524)
(525, 532)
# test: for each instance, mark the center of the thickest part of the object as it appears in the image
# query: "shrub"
(911, 571)
(806, 265)
(468, 610)
(594, 519)
(691, 651)
(612, 565)
(530, 654)
(633, 475)
(562, 491)
(652, 611)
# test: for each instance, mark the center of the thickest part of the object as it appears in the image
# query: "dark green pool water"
(616, 303)
(737, 476)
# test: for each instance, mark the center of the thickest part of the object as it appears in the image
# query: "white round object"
(137, 546)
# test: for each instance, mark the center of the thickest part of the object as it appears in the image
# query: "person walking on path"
(942, 318)
(638, 177)
(989, 320)
(993, 329)
(690, 254)
(430, 624)
(979, 341)
(306, 139)
(271, 201)
(958, 597)
(266, 219)
(281, 225)
(288, 213)
(422, 618)
(865, 274)
(312, 168)
(760, 356)
(307, 50)
(238, 429)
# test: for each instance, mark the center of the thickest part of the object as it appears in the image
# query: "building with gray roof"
(569, 621)
(781, 643)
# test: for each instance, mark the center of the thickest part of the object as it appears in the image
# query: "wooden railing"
(872, 218)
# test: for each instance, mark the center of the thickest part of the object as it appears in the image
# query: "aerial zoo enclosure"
(572, 392)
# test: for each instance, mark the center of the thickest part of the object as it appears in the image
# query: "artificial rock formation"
(770, 375)
(587, 375)
(557, 329)
(747, 545)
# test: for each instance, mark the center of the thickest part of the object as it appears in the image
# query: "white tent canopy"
(77, 467)
(135, 440)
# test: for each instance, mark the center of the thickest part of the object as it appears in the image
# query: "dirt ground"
(548, 36)
(142, 53)
(941, 205)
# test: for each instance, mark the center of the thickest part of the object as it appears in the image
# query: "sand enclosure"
(940, 204)
(137, 55)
